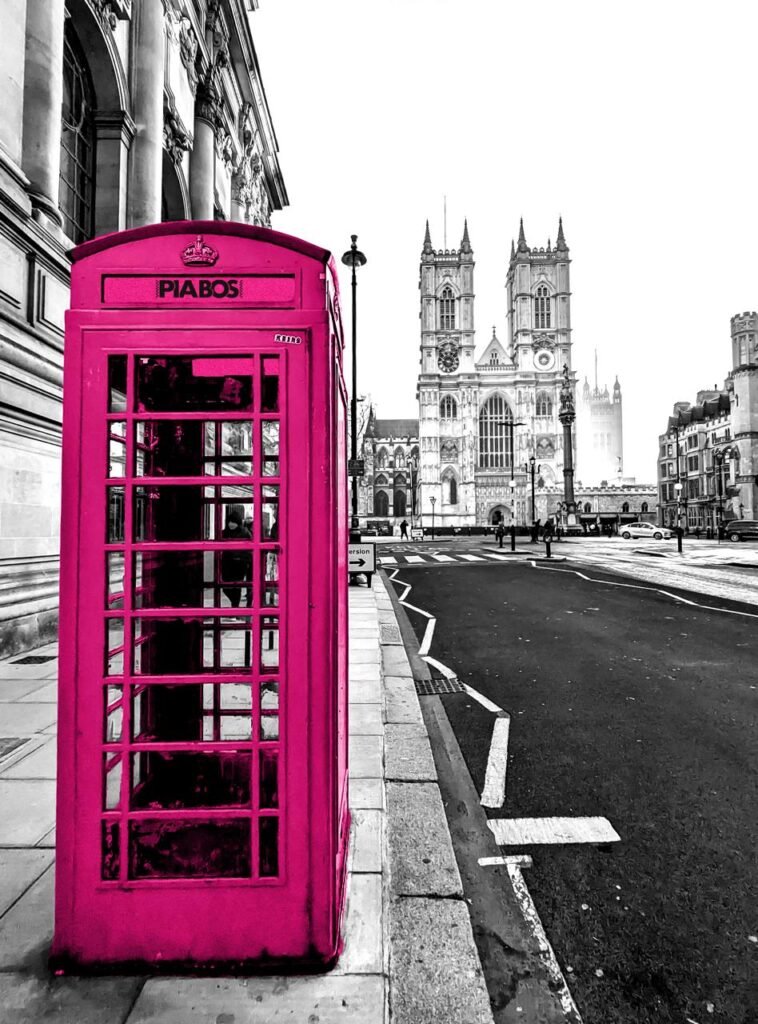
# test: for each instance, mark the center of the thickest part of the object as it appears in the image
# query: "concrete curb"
(434, 969)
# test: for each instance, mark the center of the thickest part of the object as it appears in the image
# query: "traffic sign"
(356, 467)
(417, 533)
(361, 557)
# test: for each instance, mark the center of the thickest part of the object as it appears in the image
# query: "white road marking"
(532, 918)
(413, 608)
(521, 860)
(405, 593)
(414, 559)
(498, 558)
(528, 831)
(426, 643)
(443, 558)
(493, 794)
(446, 672)
(484, 701)
(387, 561)
(472, 558)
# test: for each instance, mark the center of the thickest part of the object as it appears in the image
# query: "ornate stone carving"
(176, 139)
(567, 411)
(188, 50)
(448, 357)
(208, 101)
(543, 341)
(449, 451)
(106, 13)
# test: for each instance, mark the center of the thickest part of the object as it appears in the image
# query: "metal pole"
(354, 399)
(513, 488)
(534, 510)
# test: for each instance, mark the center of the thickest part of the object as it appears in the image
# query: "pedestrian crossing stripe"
(443, 558)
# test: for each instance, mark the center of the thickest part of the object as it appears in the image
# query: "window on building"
(692, 441)
(76, 188)
(542, 307)
(625, 507)
(448, 408)
(495, 434)
(494, 360)
(693, 463)
(381, 458)
(399, 458)
(400, 503)
(644, 507)
(447, 309)
(544, 404)
(587, 507)
(381, 504)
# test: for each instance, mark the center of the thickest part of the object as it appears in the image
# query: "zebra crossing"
(436, 558)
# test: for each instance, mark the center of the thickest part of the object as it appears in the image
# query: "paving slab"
(358, 672)
(15, 689)
(325, 999)
(45, 694)
(26, 930)
(365, 691)
(18, 870)
(28, 810)
(40, 763)
(401, 706)
(436, 975)
(366, 793)
(365, 757)
(395, 661)
(366, 844)
(366, 719)
(370, 656)
(31, 999)
(422, 862)
(358, 643)
(407, 754)
(25, 719)
(364, 947)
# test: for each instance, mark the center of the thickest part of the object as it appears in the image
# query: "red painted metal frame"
(104, 915)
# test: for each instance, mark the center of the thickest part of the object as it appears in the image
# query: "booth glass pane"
(171, 849)
(229, 448)
(112, 789)
(269, 727)
(269, 644)
(192, 579)
(269, 786)
(270, 579)
(116, 448)
(164, 713)
(176, 512)
(115, 524)
(116, 383)
(268, 847)
(114, 580)
(114, 647)
(189, 646)
(269, 695)
(270, 384)
(270, 447)
(111, 860)
(270, 512)
(192, 779)
(193, 384)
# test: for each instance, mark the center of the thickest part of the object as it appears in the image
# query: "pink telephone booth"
(202, 746)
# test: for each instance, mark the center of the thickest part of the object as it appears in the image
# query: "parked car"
(742, 529)
(645, 530)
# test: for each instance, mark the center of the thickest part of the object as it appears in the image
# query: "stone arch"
(175, 199)
(381, 504)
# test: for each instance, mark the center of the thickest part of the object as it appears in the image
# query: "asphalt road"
(627, 705)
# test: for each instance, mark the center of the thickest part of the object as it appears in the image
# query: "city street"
(633, 709)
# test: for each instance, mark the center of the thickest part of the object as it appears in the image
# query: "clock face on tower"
(543, 360)
(447, 356)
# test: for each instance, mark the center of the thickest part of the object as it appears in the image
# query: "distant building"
(708, 454)
(390, 452)
(599, 434)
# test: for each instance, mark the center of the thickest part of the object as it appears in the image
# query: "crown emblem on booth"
(199, 254)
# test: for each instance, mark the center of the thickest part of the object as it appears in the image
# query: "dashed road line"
(443, 558)
(552, 831)
(484, 701)
(493, 794)
(472, 558)
(414, 559)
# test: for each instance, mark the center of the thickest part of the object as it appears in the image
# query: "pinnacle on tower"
(522, 246)
(560, 244)
(513, 250)
(427, 241)
(465, 243)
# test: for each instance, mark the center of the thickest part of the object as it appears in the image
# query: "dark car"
(742, 529)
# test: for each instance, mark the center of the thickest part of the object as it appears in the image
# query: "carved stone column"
(203, 158)
(43, 98)
(146, 156)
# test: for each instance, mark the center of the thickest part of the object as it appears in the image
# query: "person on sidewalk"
(547, 533)
(404, 530)
(500, 533)
(535, 531)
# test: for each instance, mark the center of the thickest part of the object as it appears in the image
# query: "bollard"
(679, 540)
(547, 548)
(513, 538)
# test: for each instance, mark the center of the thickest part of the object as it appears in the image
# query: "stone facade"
(599, 434)
(114, 115)
(708, 454)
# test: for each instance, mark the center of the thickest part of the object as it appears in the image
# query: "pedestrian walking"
(547, 533)
(236, 565)
(535, 532)
(500, 533)
(404, 530)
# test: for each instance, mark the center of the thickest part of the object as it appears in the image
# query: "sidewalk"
(409, 955)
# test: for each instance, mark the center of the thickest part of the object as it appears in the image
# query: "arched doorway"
(381, 504)
(499, 514)
(400, 504)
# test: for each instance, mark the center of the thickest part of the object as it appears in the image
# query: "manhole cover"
(438, 684)
(34, 659)
(389, 633)
(10, 743)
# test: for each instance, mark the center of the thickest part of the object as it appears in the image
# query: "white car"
(645, 530)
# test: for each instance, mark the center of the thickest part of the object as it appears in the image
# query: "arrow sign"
(361, 557)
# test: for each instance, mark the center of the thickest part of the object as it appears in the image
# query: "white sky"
(635, 122)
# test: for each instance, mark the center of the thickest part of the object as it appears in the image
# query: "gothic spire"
(513, 250)
(465, 243)
(427, 240)
(522, 246)
(561, 241)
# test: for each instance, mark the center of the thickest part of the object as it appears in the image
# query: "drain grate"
(34, 659)
(438, 684)
(389, 633)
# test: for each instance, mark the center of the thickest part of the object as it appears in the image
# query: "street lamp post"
(533, 467)
(354, 258)
(433, 501)
(719, 457)
(679, 530)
